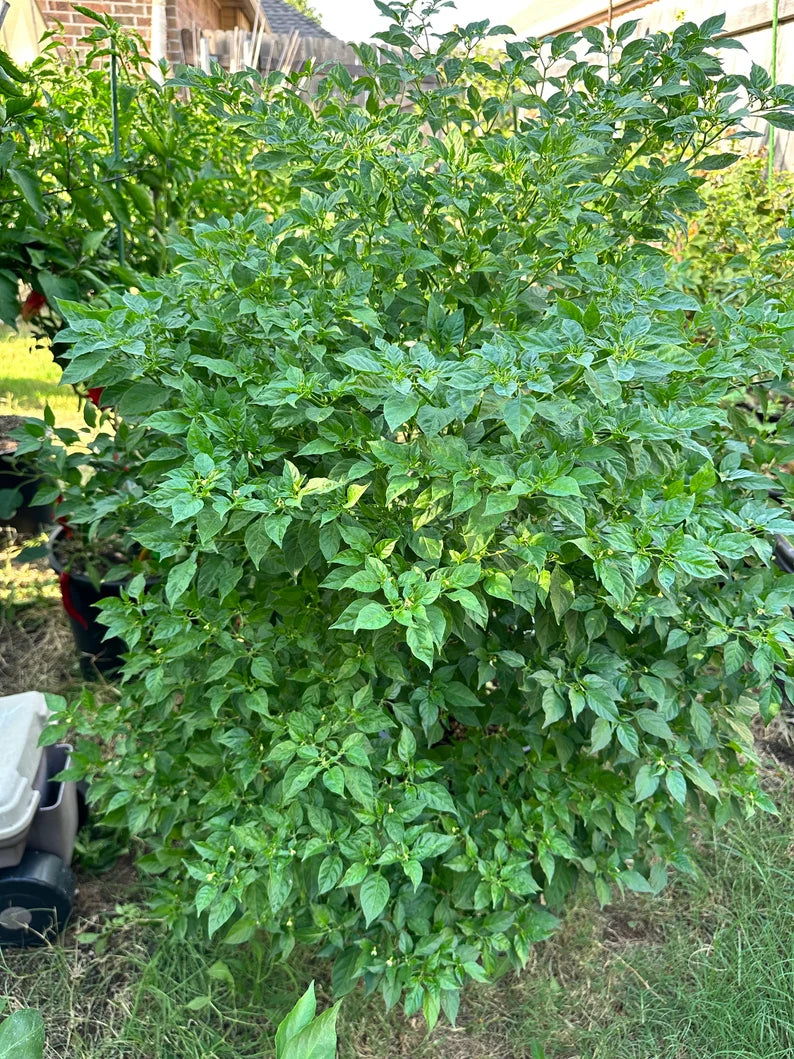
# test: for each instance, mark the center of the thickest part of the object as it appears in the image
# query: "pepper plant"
(63, 192)
(466, 591)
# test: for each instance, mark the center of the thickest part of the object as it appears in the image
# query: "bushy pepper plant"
(465, 587)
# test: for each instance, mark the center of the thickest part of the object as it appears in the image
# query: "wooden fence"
(237, 49)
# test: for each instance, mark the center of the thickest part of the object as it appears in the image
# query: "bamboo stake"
(270, 57)
(258, 50)
(235, 51)
(295, 41)
(770, 173)
(114, 113)
(282, 63)
(249, 44)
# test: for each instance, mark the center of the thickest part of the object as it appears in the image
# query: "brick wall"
(137, 14)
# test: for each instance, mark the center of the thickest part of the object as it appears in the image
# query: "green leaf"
(399, 408)
(652, 723)
(676, 785)
(257, 540)
(371, 616)
(636, 882)
(497, 583)
(318, 1040)
(221, 910)
(645, 783)
(717, 161)
(329, 873)
(781, 119)
(142, 398)
(437, 797)
(359, 782)
(554, 707)
(735, 657)
(373, 896)
(561, 592)
(518, 414)
(420, 641)
(702, 779)
(296, 778)
(179, 578)
(600, 734)
(696, 558)
(300, 1016)
(29, 186)
(564, 486)
(22, 1035)
(262, 670)
(334, 780)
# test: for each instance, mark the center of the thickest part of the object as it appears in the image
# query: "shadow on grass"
(22, 389)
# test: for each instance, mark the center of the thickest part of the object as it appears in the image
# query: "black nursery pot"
(17, 474)
(80, 598)
(783, 555)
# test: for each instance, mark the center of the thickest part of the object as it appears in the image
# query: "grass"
(29, 379)
(706, 971)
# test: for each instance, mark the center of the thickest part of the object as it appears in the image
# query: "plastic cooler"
(38, 825)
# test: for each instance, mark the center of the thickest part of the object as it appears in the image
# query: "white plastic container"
(38, 825)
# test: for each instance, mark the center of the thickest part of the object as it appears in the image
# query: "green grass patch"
(29, 379)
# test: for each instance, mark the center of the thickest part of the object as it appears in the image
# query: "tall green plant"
(63, 193)
(465, 586)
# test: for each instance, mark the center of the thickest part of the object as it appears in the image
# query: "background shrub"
(725, 250)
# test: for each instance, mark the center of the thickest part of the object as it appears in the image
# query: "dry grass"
(36, 646)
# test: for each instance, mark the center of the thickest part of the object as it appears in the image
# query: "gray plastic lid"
(22, 720)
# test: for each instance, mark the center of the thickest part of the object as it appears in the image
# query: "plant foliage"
(63, 191)
(305, 1035)
(726, 251)
(21, 1034)
(465, 588)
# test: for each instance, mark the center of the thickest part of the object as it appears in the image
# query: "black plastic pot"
(783, 555)
(80, 598)
(17, 475)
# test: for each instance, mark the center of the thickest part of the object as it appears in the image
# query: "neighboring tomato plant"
(466, 591)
